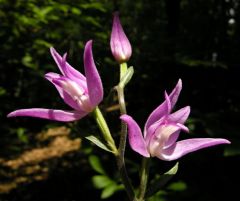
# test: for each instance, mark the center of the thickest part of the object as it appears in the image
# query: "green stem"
(144, 178)
(123, 69)
(123, 110)
(125, 179)
(108, 137)
(123, 136)
(104, 129)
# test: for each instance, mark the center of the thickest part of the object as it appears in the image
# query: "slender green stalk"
(144, 178)
(123, 69)
(125, 179)
(123, 110)
(108, 137)
(104, 129)
(123, 136)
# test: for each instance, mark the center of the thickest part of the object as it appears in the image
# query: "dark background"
(197, 41)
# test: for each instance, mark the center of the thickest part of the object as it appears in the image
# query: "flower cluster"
(84, 93)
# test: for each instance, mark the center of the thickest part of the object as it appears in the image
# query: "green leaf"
(76, 11)
(92, 21)
(22, 135)
(27, 60)
(126, 77)
(97, 6)
(43, 43)
(97, 142)
(177, 186)
(159, 196)
(161, 180)
(109, 190)
(101, 181)
(96, 164)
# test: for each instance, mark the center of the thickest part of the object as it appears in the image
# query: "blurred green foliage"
(195, 40)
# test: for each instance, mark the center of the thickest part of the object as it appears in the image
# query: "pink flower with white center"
(162, 130)
(81, 93)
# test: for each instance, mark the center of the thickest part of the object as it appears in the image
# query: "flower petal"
(180, 116)
(175, 93)
(168, 103)
(57, 115)
(94, 83)
(184, 147)
(65, 96)
(65, 68)
(76, 92)
(73, 74)
(162, 110)
(135, 136)
(160, 139)
(172, 139)
(70, 87)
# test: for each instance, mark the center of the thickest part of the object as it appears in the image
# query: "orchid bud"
(120, 45)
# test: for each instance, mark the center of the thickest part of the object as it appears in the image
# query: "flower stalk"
(123, 69)
(105, 130)
(123, 136)
(144, 178)
(123, 110)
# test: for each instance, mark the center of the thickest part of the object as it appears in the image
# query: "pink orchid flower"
(119, 43)
(81, 93)
(162, 131)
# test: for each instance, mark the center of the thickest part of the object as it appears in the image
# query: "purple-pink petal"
(94, 83)
(65, 96)
(161, 137)
(162, 110)
(135, 136)
(168, 103)
(180, 116)
(175, 93)
(65, 68)
(151, 130)
(184, 147)
(172, 139)
(56, 115)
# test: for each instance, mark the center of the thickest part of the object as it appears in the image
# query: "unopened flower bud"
(120, 45)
